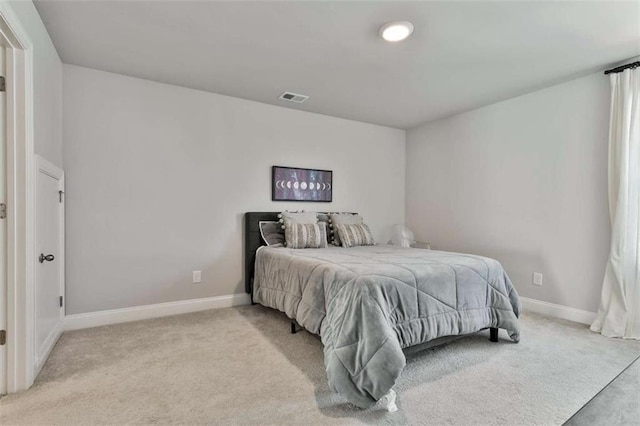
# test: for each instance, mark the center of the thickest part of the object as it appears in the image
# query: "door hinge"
(60, 195)
(61, 299)
(3, 211)
(3, 84)
(3, 337)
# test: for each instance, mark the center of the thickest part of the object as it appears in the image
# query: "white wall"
(523, 181)
(47, 84)
(158, 179)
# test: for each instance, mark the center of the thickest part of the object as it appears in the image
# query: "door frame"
(46, 167)
(21, 259)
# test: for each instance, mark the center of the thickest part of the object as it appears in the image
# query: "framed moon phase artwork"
(296, 184)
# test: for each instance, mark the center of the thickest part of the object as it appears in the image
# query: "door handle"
(48, 257)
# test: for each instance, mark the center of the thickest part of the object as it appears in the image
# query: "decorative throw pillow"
(355, 235)
(342, 219)
(306, 235)
(271, 233)
(294, 217)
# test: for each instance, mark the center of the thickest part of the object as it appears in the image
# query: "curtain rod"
(623, 67)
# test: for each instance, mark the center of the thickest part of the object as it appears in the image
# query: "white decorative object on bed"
(402, 236)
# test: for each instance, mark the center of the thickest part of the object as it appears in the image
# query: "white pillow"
(302, 217)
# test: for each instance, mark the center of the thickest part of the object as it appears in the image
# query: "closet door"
(49, 288)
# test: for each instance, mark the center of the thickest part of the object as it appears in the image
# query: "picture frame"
(300, 184)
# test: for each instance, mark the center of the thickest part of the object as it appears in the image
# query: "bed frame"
(253, 241)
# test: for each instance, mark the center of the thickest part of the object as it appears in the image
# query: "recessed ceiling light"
(396, 30)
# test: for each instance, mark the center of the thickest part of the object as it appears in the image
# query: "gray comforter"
(367, 303)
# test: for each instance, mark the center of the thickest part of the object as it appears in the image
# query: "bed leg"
(493, 334)
(293, 327)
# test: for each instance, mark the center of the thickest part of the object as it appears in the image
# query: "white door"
(3, 232)
(49, 289)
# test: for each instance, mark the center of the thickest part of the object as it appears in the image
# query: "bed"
(369, 303)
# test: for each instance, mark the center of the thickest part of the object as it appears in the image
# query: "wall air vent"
(293, 97)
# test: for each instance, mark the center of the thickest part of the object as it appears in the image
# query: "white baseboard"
(558, 311)
(136, 313)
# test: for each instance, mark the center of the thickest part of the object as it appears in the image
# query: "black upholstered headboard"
(253, 241)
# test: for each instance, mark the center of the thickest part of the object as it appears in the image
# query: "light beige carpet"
(241, 366)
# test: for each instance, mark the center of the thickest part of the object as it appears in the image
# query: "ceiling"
(462, 55)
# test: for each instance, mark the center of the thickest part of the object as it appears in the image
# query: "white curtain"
(619, 311)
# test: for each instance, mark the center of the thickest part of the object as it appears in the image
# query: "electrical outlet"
(537, 278)
(197, 276)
